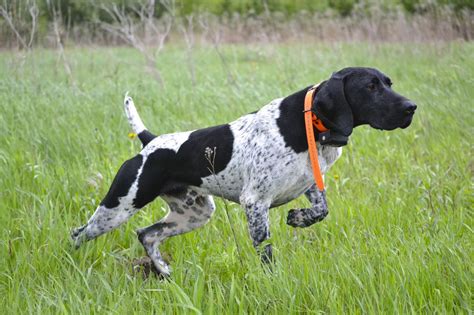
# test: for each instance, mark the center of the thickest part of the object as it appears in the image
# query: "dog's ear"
(331, 106)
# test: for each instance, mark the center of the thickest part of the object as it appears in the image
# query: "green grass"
(398, 238)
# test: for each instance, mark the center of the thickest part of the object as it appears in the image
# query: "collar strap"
(311, 120)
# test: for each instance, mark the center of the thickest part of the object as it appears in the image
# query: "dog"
(260, 160)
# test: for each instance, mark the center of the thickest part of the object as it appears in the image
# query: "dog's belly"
(283, 187)
(280, 186)
(231, 188)
(227, 184)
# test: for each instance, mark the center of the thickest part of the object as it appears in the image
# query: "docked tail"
(136, 122)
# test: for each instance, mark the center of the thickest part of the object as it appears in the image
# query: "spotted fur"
(260, 161)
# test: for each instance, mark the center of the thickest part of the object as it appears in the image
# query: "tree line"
(78, 12)
(24, 23)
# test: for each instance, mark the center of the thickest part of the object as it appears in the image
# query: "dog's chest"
(298, 178)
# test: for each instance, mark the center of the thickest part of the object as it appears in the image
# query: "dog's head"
(358, 96)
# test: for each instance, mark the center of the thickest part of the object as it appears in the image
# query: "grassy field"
(398, 238)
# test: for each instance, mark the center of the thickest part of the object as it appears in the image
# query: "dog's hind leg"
(117, 206)
(188, 211)
(306, 217)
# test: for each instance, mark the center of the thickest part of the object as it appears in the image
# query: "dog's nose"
(410, 107)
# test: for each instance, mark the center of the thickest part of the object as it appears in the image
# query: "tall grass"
(398, 238)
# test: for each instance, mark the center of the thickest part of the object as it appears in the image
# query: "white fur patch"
(132, 115)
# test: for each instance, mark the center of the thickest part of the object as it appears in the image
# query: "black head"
(358, 96)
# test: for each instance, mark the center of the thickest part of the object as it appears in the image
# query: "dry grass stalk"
(187, 28)
(57, 29)
(213, 29)
(210, 155)
(142, 33)
(22, 39)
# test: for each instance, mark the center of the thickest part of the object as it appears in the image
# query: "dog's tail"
(136, 122)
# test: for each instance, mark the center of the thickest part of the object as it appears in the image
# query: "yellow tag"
(132, 135)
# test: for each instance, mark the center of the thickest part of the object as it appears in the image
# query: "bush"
(343, 7)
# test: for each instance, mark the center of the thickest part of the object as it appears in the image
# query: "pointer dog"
(259, 160)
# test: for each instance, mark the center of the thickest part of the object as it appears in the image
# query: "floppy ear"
(331, 106)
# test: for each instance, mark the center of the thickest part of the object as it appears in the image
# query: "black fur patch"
(291, 121)
(167, 172)
(122, 182)
(191, 160)
(145, 137)
(154, 175)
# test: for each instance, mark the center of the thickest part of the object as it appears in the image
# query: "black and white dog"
(259, 160)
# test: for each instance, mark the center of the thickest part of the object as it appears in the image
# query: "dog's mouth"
(388, 126)
(379, 127)
(407, 123)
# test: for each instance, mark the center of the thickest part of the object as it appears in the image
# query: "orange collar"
(311, 120)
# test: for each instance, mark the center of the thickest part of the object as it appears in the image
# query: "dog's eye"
(371, 86)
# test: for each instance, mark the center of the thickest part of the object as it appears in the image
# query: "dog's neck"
(291, 121)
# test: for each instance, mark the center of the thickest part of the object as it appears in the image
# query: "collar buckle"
(323, 137)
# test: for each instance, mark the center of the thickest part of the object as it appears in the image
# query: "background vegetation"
(82, 20)
(398, 238)
(82, 11)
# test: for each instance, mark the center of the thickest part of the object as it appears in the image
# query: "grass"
(398, 238)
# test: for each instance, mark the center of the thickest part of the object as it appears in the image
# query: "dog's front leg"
(259, 227)
(306, 217)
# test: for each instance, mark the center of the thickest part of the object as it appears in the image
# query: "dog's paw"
(266, 254)
(162, 269)
(77, 236)
(306, 217)
(295, 218)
